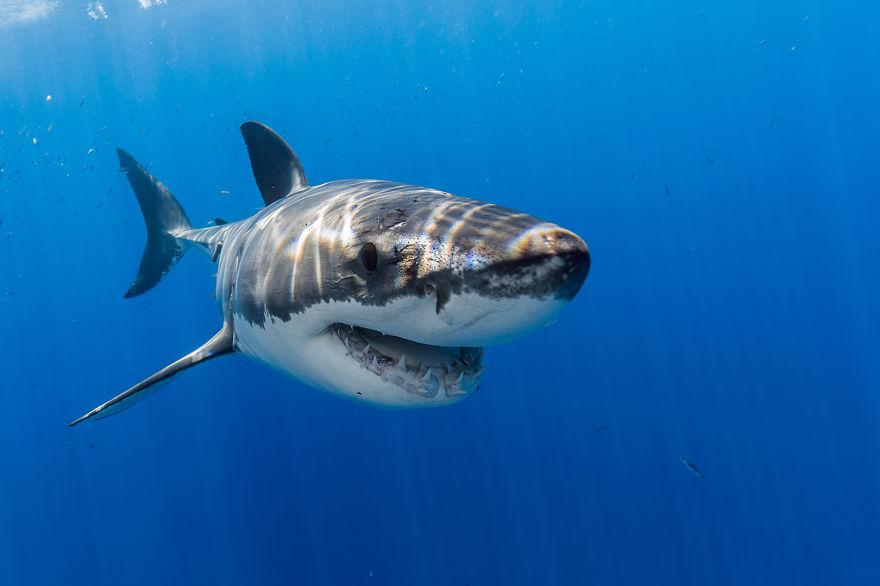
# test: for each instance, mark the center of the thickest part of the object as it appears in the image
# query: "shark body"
(380, 292)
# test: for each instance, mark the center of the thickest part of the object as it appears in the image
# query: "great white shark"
(379, 292)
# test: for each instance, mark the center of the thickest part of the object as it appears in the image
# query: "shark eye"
(369, 256)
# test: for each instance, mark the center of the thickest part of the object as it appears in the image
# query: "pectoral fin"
(219, 345)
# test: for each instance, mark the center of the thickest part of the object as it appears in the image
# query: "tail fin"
(163, 217)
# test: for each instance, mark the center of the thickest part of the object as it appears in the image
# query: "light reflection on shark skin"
(379, 292)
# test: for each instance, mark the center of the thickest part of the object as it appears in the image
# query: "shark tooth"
(367, 349)
(402, 362)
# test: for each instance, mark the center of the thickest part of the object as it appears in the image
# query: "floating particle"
(692, 467)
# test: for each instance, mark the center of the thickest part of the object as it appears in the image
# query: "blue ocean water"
(718, 157)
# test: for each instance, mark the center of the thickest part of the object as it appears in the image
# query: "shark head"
(387, 293)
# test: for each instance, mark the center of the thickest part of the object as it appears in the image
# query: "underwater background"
(719, 158)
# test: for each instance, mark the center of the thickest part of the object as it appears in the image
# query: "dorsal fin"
(276, 168)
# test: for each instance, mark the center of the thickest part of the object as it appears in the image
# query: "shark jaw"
(439, 374)
(402, 355)
(338, 347)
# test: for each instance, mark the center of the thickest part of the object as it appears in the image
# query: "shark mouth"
(420, 369)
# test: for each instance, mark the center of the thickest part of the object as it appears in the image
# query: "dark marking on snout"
(443, 290)
(527, 278)
(578, 267)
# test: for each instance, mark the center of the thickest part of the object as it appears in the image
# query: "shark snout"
(562, 254)
(575, 256)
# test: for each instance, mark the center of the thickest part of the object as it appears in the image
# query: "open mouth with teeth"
(420, 369)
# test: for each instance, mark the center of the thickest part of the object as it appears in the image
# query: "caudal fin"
(163, 216)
